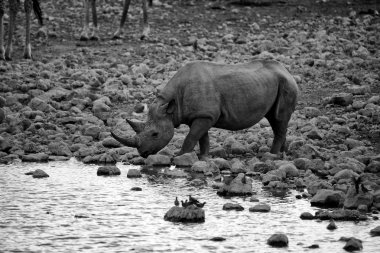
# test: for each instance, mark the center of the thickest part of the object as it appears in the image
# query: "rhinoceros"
(205, 94)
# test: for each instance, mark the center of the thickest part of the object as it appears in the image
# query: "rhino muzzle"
(127, 140)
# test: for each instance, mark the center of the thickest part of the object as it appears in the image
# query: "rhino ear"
(167, 108)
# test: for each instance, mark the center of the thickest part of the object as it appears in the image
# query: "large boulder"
(261, 208)
(182, 214)
(353, 244)
(278, 240)
(340, 214)
(204, 167)
(39, 174)
(375, 231)
(290, 169)
(38, 158)
(133, 173)
(355, 199)
(108, 171)
(157, 160)
(328, 198)
(314, 186)
(185, 160)
(233, 206)
(239, 186)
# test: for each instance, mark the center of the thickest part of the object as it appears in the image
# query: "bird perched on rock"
(185, 204)
(200, 205)
(193, 200)
(176, 202)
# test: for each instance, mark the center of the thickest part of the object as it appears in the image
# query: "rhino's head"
(154, 134)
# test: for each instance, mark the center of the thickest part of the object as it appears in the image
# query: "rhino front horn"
(136, 125)
(127, 140)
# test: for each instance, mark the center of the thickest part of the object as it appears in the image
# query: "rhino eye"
(155, 134)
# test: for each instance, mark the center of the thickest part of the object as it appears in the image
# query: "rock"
(185, 160)
(188, 214)
(222, 163)
(373, 167)
(136, 189)
(312, 112)
(345, 174)
(261, 208)
(5, 146)
(59, 148)
(343, 99)
(375, 231)
(110, 142)
(39, 174)
(314, 134)
(340, 214)
(157, 160)
(278, 240)
(354, 200)
(92, 130)
(40, 105)
(239, 186)
(315, 185)
(302, 163)
(306, 216)
(327, 198)
(218, 239)
(353, 244)
(253, 199)
(38, 158)
(108, 171)
(204, 167)
(290, 169)
(332, 225)
(238, 167)
(133, 173)
(232, 206)
(359, 89)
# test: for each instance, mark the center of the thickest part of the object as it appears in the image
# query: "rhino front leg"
(198, 132)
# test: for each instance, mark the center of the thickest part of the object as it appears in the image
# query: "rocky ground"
(65, 102)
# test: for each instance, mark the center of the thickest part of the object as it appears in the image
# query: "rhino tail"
(286, 98)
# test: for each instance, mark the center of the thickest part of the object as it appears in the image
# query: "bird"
(193, 200)
(185, 204)
(200, 205)
(176, 202)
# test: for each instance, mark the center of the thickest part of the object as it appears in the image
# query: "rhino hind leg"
(279, 128)
(204, 146)
(198, 132)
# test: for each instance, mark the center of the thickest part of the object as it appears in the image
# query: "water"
(41, 215)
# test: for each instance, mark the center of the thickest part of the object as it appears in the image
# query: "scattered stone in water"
(185, 160)
(190, 213)
(29, 173)
(218, 239)
(306, 216)
(254, 199)
(157, 160)
(278, 240)
(332, 225)
(313, 246)
(298, 196)
(108, 171)
(375, 231)
(233, 206)
(341, 214)
(136, 188)
(39, 174)
(353, 244)
(133, 173)
(80, 216)
(262, 208)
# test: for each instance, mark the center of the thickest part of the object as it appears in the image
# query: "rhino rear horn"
(127, 140)
(136, 125)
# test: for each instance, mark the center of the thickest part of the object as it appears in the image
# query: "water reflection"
(75, 210)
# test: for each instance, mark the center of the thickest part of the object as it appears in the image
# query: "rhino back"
(233, 96)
